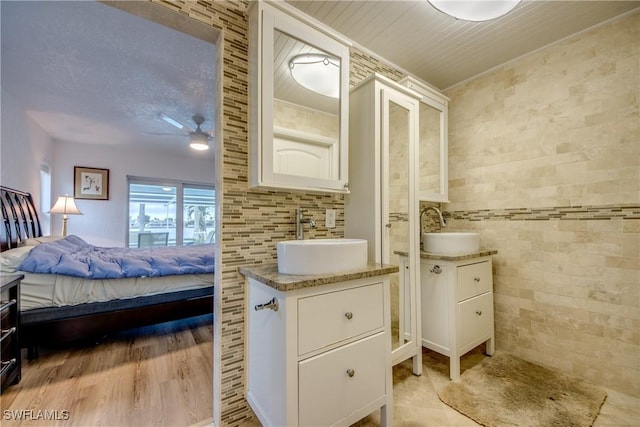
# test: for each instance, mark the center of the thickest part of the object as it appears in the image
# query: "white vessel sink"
(321, 256)
(454, 243)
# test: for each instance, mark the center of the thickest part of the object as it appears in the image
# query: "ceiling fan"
(198, 139)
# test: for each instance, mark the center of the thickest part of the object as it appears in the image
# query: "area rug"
(504, 390)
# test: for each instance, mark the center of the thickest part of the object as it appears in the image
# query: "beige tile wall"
(545, 162)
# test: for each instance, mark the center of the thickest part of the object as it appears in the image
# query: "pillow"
(35, 241)
(11, 259)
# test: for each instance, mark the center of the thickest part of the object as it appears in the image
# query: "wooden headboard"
(19, 218)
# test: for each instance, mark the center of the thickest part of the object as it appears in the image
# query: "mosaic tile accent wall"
(545, 163)
(252, 221)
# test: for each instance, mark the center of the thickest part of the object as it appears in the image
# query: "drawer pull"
(7, 365)
(477, 279)
(351, 373)
(6, 332)
(479, 312)
(7, 304)
(348, 315)
(436, 269)
(271, 305)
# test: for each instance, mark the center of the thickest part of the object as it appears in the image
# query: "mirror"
(299, 103)
(399, 125)
(433, 150)
(306, 122)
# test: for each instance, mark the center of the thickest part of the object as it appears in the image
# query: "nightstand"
(9, 311)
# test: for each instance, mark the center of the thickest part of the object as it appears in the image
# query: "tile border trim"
(574, 213)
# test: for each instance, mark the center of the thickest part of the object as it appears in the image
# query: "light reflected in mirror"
(399, 122)
(430, 146)
(306, 124)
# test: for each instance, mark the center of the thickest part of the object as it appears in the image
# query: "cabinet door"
(399, 234)
(475, 324)
(335, 384)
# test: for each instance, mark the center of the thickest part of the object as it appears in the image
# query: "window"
(170, 213)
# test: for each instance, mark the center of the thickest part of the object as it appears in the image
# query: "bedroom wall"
(24, 146)
(104, 222)
(545, 163)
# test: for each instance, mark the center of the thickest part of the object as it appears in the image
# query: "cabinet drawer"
(337, 316)
(327, 391)
(473, 279)
(475, 317)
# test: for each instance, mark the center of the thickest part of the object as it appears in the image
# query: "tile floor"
(416, 401)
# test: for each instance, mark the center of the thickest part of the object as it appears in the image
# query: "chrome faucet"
(300, 220)
(443, 222)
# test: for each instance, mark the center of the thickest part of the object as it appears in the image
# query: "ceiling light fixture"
(199, 140)
(475, 10)
(317, 72)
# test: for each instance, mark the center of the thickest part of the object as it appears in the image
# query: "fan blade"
(175, 123)
(163, 134)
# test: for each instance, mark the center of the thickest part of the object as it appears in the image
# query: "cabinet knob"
(436, 269)
(388, 225)
(351, 373)
(477, 279)
(348, 315)
(479, 312)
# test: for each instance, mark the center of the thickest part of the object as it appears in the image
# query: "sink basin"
(454, 243)
(321, 256)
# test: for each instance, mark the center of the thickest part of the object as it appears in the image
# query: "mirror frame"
(264, 19)
(439, 102)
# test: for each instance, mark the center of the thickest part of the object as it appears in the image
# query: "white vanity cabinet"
(323, 358)
(457, 307)
(383, 204)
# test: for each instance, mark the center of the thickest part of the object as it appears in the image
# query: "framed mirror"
(299, 103)
(433, 173)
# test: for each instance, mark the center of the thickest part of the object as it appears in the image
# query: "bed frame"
(87, 321)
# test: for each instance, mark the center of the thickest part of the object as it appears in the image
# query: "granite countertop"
(268, 274)
(450, 257)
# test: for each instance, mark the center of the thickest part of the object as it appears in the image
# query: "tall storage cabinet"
(383, 205)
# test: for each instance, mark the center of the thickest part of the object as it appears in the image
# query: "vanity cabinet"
(433, 171)
(298, 137)
(322, 357)
(457, 307)
(383, 205)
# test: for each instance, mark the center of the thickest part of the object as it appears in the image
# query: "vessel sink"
(453, 243)
(321, 256)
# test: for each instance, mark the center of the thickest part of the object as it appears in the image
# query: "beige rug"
(504, 390)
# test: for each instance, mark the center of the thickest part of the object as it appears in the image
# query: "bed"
(58, 308)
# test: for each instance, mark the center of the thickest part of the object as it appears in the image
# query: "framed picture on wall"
(91, 183)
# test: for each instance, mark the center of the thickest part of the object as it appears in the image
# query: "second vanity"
(318, 346)
(456, 298)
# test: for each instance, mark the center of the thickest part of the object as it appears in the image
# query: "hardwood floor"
(154, 376)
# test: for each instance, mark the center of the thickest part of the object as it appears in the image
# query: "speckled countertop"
(268, 274)
(447, 257)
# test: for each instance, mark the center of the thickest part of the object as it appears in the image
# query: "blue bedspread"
(72, 256)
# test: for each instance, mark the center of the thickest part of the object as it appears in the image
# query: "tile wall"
(544, 160)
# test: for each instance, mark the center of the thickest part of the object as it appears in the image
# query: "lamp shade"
(317, 72)
(65, 205)
(475, 10)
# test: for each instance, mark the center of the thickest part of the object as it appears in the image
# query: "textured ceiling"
(90, 73)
